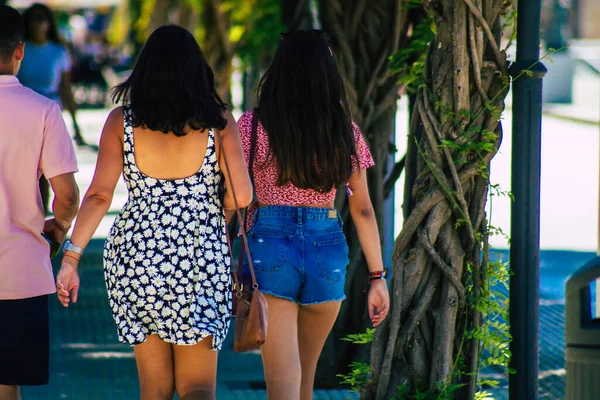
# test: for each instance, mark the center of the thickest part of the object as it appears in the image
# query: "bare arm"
(361, 209)
(65, 206)
(363, 217)
(58, 162)
(66, 199)
(109, 167)
(237, 166)
(96, 203)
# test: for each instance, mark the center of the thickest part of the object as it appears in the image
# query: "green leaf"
(360, 338)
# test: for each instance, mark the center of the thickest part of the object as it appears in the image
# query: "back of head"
(172, 87)
(302, 105)
(36, 14)
(12, 32)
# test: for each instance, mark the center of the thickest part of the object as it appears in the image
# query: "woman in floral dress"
(166, 259)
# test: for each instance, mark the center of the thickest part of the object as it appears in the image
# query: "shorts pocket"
(332, 256)
(268, 249)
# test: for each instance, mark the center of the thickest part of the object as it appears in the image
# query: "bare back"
(166, 156)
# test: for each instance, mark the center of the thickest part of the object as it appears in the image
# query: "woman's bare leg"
(196, 370)
(315, 321)
(154, 359)
(280, 356)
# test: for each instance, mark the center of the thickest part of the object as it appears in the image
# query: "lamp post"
(525, 219)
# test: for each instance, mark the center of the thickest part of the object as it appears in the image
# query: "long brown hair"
(302, 105)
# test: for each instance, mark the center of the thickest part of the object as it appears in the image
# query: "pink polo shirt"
(33, 141)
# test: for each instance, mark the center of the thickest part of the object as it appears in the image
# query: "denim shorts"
(299, 253)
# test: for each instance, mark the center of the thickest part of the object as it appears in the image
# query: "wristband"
(377, 275)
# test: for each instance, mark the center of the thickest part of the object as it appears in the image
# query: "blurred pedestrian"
(166, 259)
(46, 69)
(33, 141)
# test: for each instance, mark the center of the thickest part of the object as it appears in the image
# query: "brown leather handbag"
(250, 305)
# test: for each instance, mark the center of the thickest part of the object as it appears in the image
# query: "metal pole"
(389, 207)
(525, 220)
(597, 310)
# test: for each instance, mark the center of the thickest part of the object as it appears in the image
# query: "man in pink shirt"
(33, 141)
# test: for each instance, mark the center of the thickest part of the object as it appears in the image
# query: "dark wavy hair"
(172, 87)
(31, 15)
(303, 107)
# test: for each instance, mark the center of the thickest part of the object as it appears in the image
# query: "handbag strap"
(238, 287)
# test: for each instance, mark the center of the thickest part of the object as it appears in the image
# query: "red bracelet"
(377, 275)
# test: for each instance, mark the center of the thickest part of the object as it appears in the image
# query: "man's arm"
(64, 207)
(58, 163)
(66, 199)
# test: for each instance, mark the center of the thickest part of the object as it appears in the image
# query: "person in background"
(301, 144)
(47, 67)
(166, 259)
(34, 140)
(46, 70)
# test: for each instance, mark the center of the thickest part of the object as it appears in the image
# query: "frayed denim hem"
(296, 301)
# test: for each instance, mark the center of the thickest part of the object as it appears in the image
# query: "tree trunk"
(160, 15)
(444, 206)
(296, 14)
(217, 46)
(363, 34)
(187, 16)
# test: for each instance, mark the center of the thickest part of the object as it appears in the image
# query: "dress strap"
(211, 148)
(127, 123)
(128, 149)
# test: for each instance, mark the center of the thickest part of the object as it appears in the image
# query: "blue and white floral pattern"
(166, 258)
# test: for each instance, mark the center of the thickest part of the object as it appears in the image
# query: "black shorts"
(24, 341)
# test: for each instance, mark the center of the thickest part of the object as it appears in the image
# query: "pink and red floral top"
(265, 176)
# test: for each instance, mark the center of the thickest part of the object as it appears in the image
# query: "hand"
(55, 231)
(378, 301)
(67, 281)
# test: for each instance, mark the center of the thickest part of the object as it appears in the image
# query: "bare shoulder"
(117, 113)
(230, 119)
(232, 126)
(115, 122)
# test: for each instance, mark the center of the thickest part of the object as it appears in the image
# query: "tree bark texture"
(437, 254)
(363, 35)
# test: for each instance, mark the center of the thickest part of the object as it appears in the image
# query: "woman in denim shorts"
(301, 145)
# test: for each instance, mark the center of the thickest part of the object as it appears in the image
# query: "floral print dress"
(166, 258)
